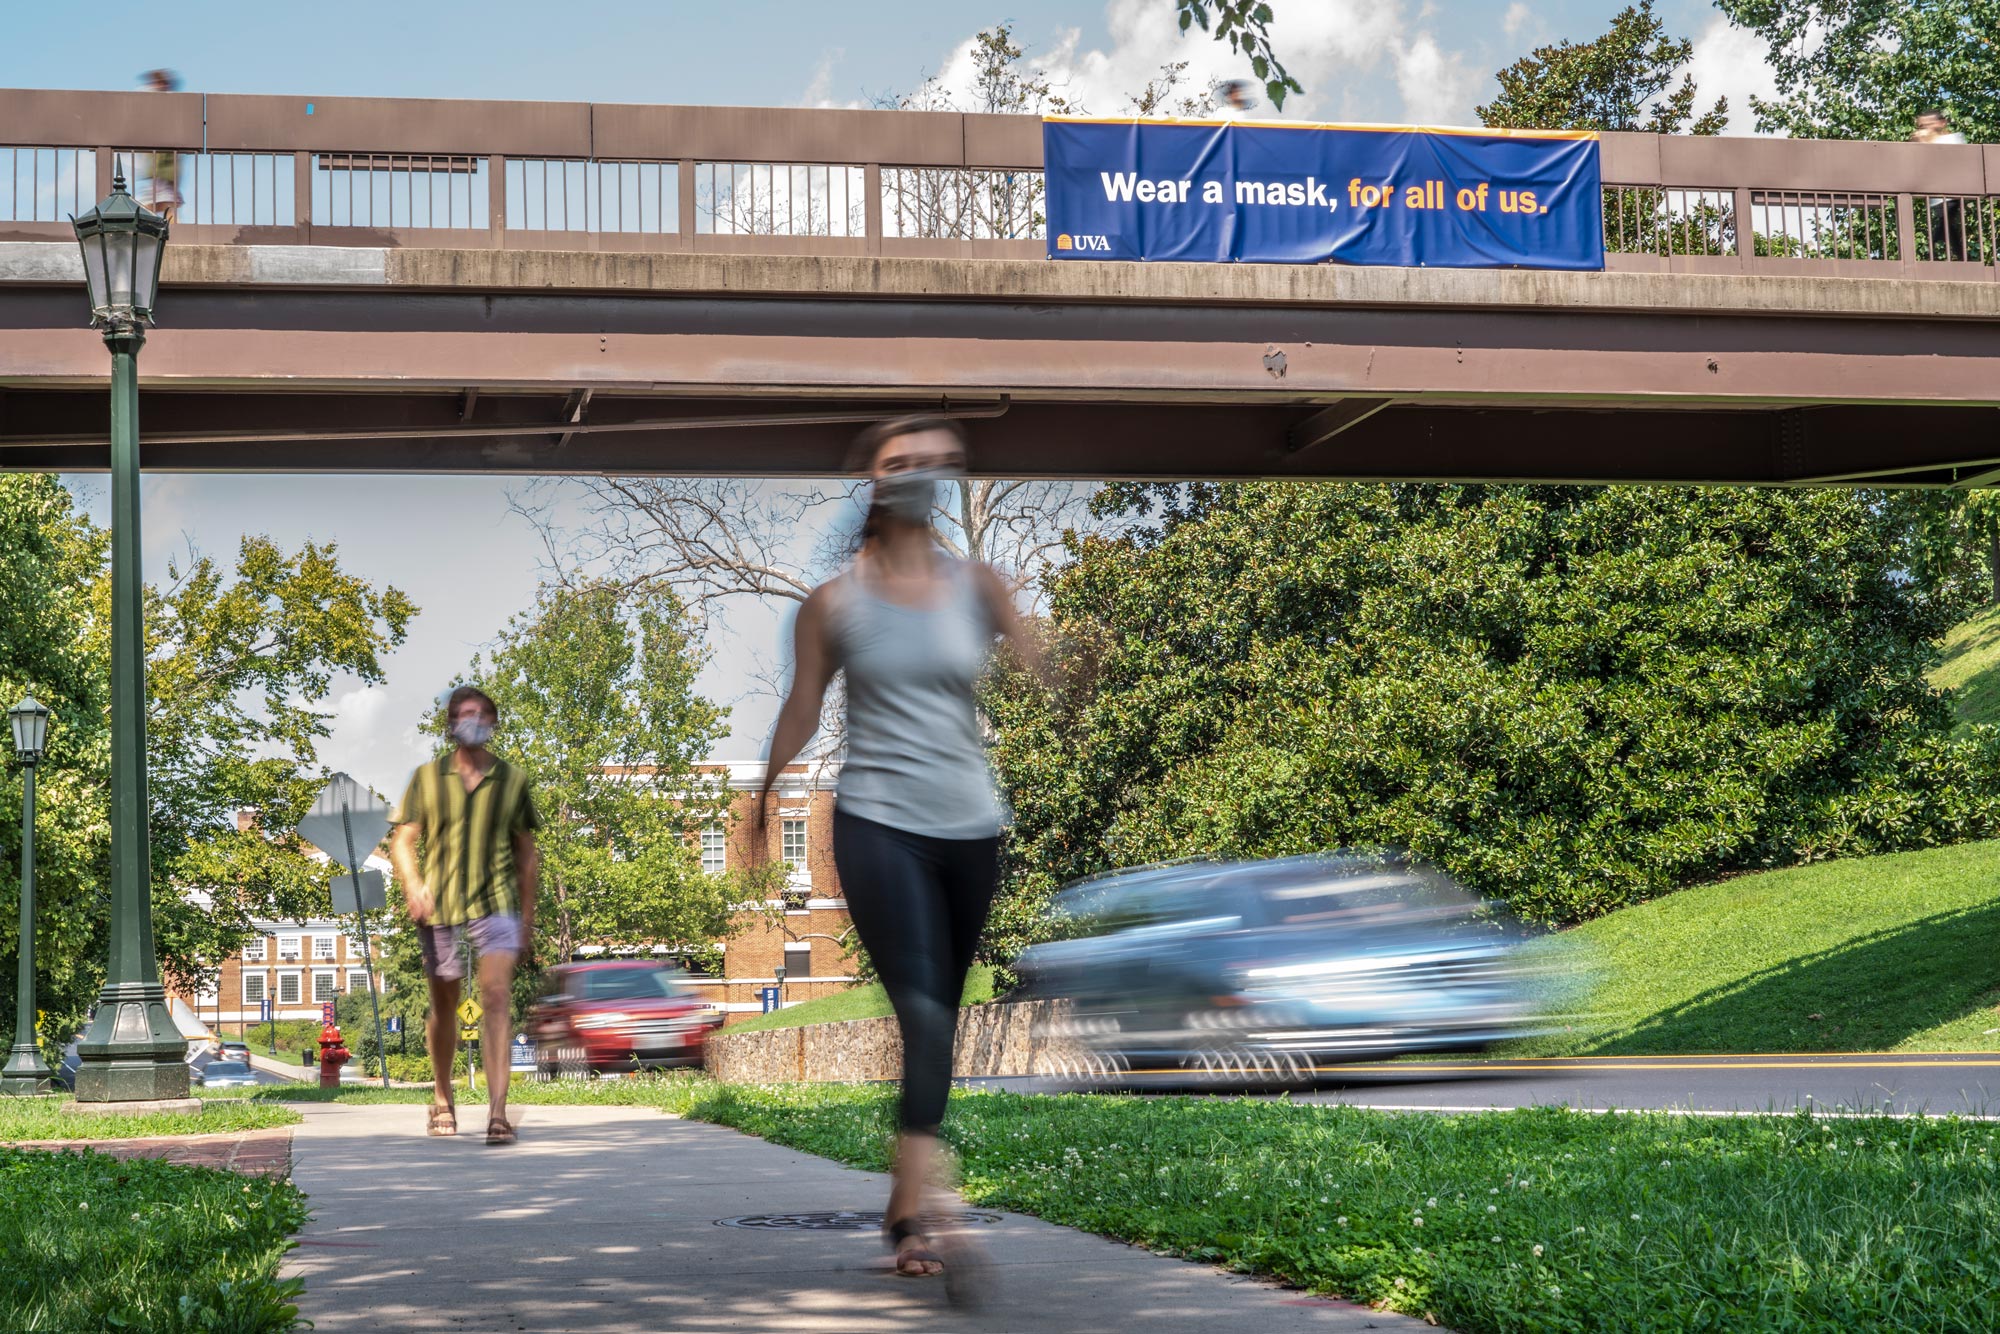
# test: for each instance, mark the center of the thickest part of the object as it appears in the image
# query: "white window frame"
(323, 948)
(332, 976)
(715, 850)
(263, 987)
(256, 949)
(289, 975)
(291, 954)
(786, 828)
(357, 980)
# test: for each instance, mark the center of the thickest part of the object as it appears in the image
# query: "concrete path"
(606, 1218)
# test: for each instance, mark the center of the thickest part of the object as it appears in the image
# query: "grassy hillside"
(1972, 667)
(868, 1002)
(1876, 954)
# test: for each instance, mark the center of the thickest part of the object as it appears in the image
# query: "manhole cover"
(847, 1220)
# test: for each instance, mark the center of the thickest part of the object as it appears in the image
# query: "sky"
(474, 563)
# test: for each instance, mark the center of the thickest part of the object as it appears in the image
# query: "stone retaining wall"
(1001, 1039)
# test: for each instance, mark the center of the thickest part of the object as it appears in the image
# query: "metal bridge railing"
(365, 171)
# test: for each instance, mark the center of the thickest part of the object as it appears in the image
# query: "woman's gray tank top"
(914, 757)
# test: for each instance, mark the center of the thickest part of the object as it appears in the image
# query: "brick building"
(808, 930)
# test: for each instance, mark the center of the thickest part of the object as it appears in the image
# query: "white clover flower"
(1494, 1191)
(1340, 1221)
(1431, 1203)
(1402, 1283)
(1635, 1218)
(1418, 1221)
(1555, 1291)
(1538, 1250)
(1579, 1231)
(1492, 1208)
(1496, 1241)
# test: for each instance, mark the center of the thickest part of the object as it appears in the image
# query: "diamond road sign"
(366, 818)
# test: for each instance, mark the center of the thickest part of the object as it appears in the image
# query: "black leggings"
(919, 903)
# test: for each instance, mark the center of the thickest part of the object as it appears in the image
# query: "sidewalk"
(606, 1219)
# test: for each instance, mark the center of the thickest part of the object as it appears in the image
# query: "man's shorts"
(498, 934)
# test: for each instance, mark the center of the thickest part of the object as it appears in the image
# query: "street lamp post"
(26, 1072)
(133, 1051)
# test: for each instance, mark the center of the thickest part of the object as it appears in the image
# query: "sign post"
(343, 809)
(269, 1015)
(468, 1033)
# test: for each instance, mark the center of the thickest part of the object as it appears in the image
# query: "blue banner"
(1312, 194)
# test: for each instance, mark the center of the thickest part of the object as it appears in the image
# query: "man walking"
(475, 819)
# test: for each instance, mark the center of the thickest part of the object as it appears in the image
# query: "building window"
(253, 989)
(792, 846)
(799, 959)
(354, 950)
(288, 949)
(288, 988)
(357, 980)
(714, 850)
(326, 985)
(253, 949)
(322, 947)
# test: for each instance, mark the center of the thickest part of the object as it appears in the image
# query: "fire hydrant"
(333, 1054)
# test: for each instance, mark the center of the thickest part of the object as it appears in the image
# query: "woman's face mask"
(473, 731)
(911, 496)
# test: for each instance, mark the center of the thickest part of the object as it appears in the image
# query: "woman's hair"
(464, 693)
(861, 456)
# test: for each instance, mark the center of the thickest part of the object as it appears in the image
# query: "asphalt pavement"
(1966, 1083)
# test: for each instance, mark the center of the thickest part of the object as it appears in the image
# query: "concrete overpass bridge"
(382, 285)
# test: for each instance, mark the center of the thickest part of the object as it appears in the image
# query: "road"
(1932, 1083)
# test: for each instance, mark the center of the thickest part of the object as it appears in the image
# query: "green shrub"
(1573, 698)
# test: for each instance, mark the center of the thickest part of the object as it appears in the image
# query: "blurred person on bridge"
(162, 192)
(1947, 216)
(916, 828)
(474, 818)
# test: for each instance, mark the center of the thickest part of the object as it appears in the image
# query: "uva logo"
(1082, 242)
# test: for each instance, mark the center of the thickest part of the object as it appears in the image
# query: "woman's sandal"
(498, 1131)
(443, 1120)
(902, 1230)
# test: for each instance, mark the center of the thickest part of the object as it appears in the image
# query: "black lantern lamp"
(122, 242)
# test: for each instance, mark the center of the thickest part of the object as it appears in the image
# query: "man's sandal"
(443, 1120)
(498, 1131)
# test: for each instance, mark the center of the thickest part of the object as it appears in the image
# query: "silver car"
(1268, 971)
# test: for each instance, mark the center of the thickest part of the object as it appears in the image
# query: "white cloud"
(1515, 18)
(1729, 62)
(819, 90)
(1358, 59)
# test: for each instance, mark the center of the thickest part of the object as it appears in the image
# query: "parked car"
(218, 1074)
(615, 1015)
(236, 1051)
(1249, 972)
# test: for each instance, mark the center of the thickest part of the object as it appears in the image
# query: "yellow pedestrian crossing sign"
(468, 1018)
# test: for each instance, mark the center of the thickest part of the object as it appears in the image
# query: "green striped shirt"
(467, 848)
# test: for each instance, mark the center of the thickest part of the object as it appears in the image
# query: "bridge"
(394, 285)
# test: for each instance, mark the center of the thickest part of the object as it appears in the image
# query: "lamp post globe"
(26, 1073)
(133, 1053)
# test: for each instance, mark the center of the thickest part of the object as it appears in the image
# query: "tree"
(1865, 69)
(238, 660)
(1573, 698)
(1623, 80)
(595, 687)
(1246, 23)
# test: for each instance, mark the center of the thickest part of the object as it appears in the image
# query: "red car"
(617, 1015)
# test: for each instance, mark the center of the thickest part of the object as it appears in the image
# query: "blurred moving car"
(616, 1015)
(1264, 971)
(236, 1051)
(225, 1074)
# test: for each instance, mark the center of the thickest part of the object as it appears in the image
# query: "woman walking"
(916, 825)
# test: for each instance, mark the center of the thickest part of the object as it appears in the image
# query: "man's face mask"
(911, 496)
(474, 731)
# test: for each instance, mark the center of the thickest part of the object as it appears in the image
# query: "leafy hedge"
(1574, 698)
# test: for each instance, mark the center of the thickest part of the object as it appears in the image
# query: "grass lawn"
(1542, 1220)
(94, 1243)
(1892, 953)
(868, 1002)
(1971, 666)
(23, 1119)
